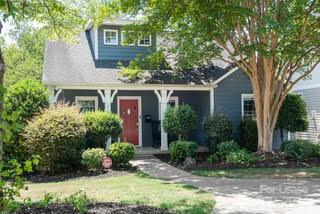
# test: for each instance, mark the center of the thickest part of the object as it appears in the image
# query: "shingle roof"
(74, 64)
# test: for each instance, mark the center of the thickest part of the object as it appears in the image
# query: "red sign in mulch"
(106, 163)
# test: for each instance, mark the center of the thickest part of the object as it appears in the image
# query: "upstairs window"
(123, 39)
(145, 41)
(248, 108)
(87, 103)
(111, 37)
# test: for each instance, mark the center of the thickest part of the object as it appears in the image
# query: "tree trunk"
(1, 94)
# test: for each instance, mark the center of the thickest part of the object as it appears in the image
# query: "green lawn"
(130, 189)
(313, 172)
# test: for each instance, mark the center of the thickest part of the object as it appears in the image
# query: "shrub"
(224, 148)
(212, 159)
(300, 149)
(92, 158)
(56, 135)
(121, 153)
(218, 128)
(240, 157)
(249, 134)
(180, 150)
(180, 121)
(293, 115)
(101, 126)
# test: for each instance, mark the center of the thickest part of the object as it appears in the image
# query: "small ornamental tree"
(293, 115)
(179, 121)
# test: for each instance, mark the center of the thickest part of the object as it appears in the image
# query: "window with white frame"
(145, 41)
(110, 37)
(87, 103)
(123, 39)
(173, 102)
(247, 103)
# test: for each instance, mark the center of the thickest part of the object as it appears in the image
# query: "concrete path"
(247, 196)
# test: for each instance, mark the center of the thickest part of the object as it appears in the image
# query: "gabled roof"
(74, 64)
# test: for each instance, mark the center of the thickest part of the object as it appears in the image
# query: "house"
(86, 74)
(309, 89)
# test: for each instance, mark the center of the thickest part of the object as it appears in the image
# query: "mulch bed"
(271, 160)
(44, 178)
(99, 208)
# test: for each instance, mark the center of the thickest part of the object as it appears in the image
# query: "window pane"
(248, 107)
(145, 41)
(111, 37)
(87, 105)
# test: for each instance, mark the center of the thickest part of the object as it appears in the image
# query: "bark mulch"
(271, 160)
(99, 208)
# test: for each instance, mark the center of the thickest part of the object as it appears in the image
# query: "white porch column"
(212, 100)
(53, 97)
(107, 97)
(163, 98)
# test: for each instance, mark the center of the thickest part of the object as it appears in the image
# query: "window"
(87, 103)
(110, 37)
(145, 41)
(173, 102)
(123, 38)
(248, 109)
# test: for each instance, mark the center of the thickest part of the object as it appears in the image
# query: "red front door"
(129, 113)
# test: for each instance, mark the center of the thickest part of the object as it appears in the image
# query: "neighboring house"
(309, 89)
(86, 74)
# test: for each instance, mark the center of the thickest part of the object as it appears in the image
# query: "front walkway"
(250, 196)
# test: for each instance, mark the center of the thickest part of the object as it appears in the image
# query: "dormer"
(108, 42)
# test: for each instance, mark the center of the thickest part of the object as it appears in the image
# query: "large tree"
(275, 42)
(60, 19)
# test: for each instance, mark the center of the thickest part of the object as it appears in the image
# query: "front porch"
(151, 103)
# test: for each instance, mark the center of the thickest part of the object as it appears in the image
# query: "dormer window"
(111, 37)
(145, 41)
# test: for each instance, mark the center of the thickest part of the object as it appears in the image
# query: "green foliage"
(56, 135)
(180, 121)
(24, 59)
(121, 153)
(300, 149)
(180, 150)
(293, 114)
(102, 125)
(225, 148)
(92, 158)
(11, 181)
(218, 128)
(249, 134)
(79, 201)
(212, 159)
(240, 157)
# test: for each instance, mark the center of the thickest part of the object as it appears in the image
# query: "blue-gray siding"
(121, 52)
(312, 98)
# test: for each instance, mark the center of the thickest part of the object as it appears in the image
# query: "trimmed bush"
(92, 158)
(101, 126)
(240, 157)
(300, 149)
(121, 153)
(218, 128)
(180, 150)
(249, 134)
(56, 135)
(225, 148)
(26, 97)
(179, 121)
(212, 159)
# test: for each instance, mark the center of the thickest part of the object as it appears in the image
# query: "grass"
(313, 172)
(130, 189)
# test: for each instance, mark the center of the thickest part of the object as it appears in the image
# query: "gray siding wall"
(312, 98)
(121, 52)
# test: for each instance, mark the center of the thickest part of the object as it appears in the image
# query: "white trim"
(96, 52)
(86, 98)
(175, 99)
(243, 96)
(211, 101)
(104, 36)
(121, 37)
(140, 112)
(143, 45)
(225, 75)
(127, 87)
